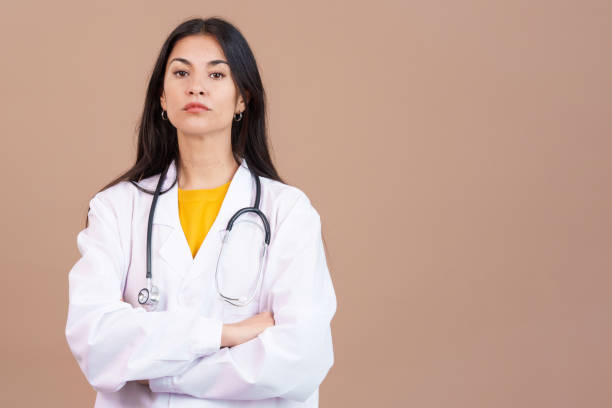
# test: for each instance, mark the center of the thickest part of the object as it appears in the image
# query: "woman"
(222, 319)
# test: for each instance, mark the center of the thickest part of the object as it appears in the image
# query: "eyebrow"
(209, 63)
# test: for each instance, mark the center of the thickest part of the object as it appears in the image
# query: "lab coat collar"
(175, 249)
(237, 196)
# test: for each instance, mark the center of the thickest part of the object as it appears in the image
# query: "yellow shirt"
(197, 211)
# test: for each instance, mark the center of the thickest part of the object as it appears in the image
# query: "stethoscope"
(149, 296)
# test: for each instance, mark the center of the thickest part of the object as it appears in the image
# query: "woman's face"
(197, 71)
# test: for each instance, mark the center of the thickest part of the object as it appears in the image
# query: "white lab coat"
(177, 346)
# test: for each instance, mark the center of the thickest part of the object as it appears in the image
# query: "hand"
(234, 334)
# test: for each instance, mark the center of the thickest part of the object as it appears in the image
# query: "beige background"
(458, 153)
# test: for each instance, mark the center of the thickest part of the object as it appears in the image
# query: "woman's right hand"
(237, 333)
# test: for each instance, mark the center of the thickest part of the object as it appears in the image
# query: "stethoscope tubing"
(150, 294)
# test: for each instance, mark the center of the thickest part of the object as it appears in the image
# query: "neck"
(205, 162)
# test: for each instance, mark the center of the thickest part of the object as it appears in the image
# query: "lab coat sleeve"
(291, 358)
(113, 342)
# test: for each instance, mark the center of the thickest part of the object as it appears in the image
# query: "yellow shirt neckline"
(204, 194)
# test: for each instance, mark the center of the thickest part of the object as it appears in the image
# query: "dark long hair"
(157, 138)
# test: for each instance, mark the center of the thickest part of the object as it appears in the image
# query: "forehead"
(198, 49)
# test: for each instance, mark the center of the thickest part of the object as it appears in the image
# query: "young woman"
(203, 279)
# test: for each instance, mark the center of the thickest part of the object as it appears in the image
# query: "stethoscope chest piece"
(149, 297)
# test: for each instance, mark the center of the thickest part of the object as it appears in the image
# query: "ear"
(241, 104)
(162, 100)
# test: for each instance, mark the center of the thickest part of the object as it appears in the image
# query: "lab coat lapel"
(240, 194)
(175, 249)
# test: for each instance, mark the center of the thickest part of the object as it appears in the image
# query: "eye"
(176, 72)
(220, 73)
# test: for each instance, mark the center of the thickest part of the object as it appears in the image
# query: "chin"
(195, 130)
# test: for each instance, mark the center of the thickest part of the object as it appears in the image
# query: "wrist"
(228, 335)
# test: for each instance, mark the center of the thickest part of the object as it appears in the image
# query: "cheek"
(228, 105)
(174, 99)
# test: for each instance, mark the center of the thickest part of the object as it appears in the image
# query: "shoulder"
(117, 193)
(289, 203)
(117, 199)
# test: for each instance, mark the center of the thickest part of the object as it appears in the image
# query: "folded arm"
(113, 342)
(291, 358)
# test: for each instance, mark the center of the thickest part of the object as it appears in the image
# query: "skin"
(204, 138)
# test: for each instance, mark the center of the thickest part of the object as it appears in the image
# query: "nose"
(196, 88)
(198, 91)
(196, 83)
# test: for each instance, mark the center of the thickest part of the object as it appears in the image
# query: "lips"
(195, 106)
